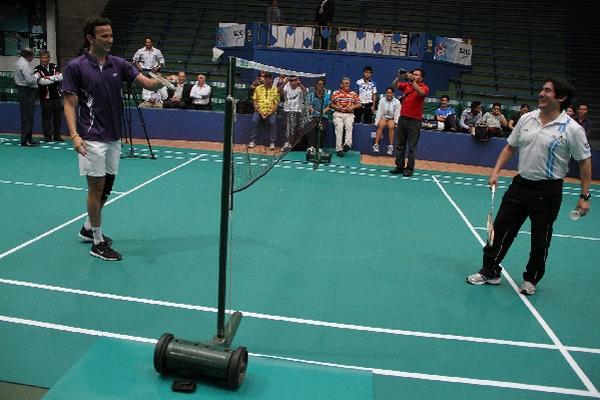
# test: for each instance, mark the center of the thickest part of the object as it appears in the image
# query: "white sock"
(87, 224)
(97, 232)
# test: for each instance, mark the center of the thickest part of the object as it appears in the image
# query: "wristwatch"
(586, 197)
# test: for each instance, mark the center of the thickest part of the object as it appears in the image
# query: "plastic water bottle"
(574, 214)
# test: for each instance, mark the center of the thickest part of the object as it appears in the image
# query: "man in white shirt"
(367, 92)
(546, 139)
(495, 120)
(200, 94)
(27, 83)
(154, 98)
(293, 94)
(148, 58)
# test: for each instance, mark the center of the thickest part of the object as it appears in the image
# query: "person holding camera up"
(409, 126)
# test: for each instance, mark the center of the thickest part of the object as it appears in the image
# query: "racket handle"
(574, 214)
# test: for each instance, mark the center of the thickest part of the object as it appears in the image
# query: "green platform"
(123, 370)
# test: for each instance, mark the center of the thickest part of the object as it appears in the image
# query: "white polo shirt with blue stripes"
(544, 152)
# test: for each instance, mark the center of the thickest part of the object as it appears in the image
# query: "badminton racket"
(490, 220)
(162, 80)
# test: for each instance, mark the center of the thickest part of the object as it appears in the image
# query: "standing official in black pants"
(26, 83)
(545, 139)
(50, 98)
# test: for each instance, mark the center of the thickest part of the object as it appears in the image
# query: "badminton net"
(274, 115)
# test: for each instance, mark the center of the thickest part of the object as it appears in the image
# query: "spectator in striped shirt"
(344, 101)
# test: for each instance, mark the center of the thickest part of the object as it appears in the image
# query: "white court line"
(576, 368)
(50, 186)
(375, 371)
(300, 321)
(560, 235)
(69, 222)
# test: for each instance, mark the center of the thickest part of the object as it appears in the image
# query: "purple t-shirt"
(99, 90)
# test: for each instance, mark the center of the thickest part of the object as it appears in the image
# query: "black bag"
(481, 133)
(245, 106)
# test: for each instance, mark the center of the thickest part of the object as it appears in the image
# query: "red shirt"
(412, 103)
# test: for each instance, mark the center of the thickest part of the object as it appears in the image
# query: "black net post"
(226, 193)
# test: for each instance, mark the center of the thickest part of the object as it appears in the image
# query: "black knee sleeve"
(109, 180)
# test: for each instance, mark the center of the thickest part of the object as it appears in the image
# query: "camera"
(402, 71)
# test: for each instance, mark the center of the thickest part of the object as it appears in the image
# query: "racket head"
(162, 80)
(490, 229)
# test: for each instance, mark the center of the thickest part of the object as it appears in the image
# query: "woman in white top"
(388, 112)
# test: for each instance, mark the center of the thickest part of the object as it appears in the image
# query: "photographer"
(409, 126)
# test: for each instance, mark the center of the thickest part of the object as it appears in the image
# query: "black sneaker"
(397, 171)
(340, 153)
(346, 148)
(407, 172)
(104, 251)
(88, 236)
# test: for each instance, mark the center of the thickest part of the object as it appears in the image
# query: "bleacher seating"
(516, 45)
(7, 87)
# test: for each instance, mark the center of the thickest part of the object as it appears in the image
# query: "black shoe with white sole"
(88, 236)
(104, 251)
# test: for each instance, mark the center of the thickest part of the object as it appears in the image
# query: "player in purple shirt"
(93, 112)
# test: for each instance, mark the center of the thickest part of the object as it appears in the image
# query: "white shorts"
(101, 159)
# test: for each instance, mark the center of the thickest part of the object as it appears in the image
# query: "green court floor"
(345, 265)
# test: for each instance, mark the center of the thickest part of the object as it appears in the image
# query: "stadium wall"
(175, 124)
(337, 65)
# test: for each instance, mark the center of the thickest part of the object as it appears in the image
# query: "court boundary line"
(300, 321)
(109, 202)
(374, 371)
(559, 235)
(369, 171)
(545, 326)
(48, 186)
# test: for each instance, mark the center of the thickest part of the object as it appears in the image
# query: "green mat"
(123, 370)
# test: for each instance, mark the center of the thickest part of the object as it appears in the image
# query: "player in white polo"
(545, 139)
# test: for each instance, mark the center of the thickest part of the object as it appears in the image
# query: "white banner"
(452, 50)
(362, 42)
(231, 35)
(292, 37)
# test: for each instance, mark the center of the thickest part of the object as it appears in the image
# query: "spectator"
(446, 114)
(148, 58)
(26, 83)
(411, 114)
(274, 13)
(495, 121)
(265, 99)
(259, 80)
(154, 98)
(367, 92)
(200, 94)
(318, 107)
(50, 98)
(470, 117)
(293, 94)
(582, 112)
(516, 116)
(180, 97)
(570, 110)
(388, 113)
(344, 101)
(323, 18)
